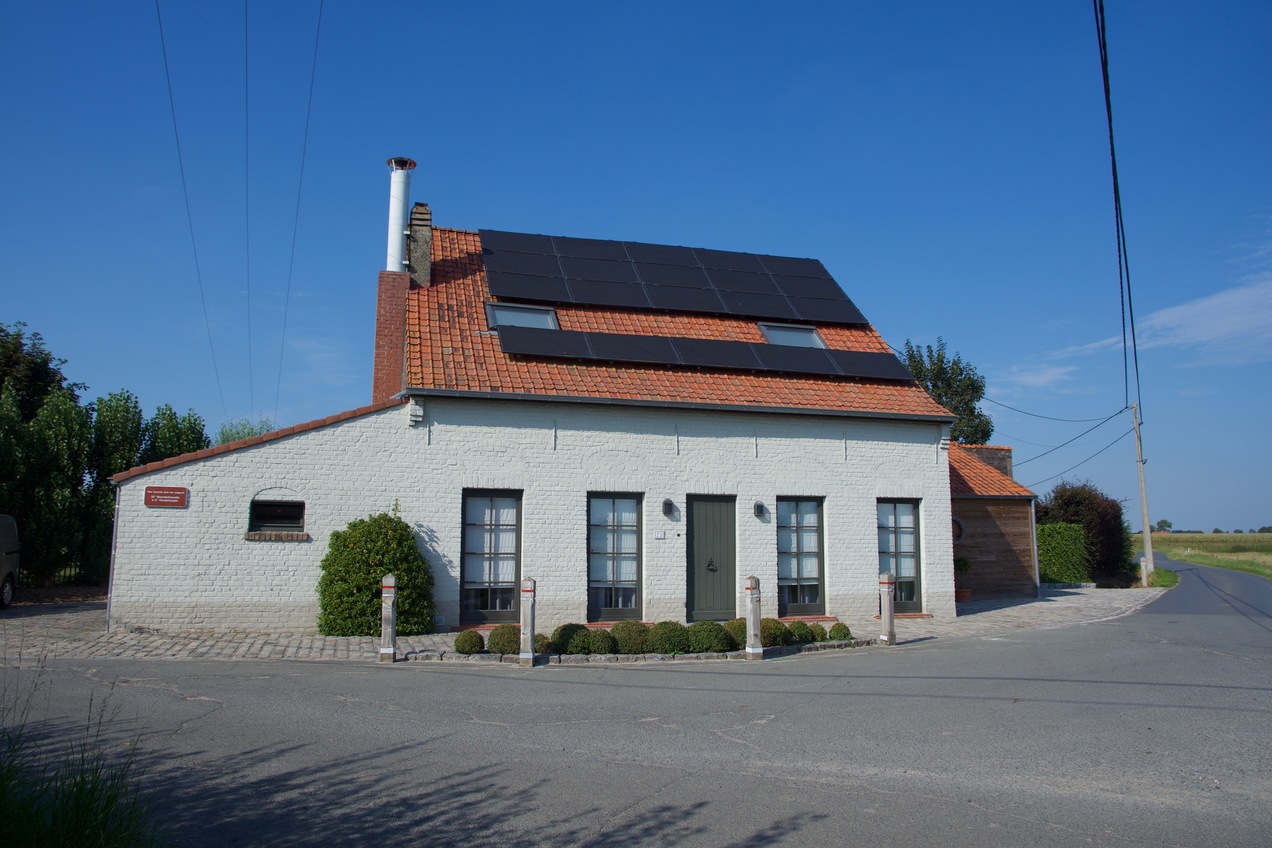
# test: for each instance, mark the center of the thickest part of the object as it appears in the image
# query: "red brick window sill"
(277, 536)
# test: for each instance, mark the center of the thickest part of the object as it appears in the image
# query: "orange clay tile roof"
(254, 440)
(450, 347)
(970, 477)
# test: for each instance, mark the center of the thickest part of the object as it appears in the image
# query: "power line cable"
(247, 205)
(185, 191)
(1085, 461)
(1048, 417)
(304, 148)
(1071, 441)
(1123, 259)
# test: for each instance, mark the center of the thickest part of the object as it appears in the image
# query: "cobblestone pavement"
(32, 632)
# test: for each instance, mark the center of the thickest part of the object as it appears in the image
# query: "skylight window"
(507, 315)
(793, 335)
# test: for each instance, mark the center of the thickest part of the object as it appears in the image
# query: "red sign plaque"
(167, 497)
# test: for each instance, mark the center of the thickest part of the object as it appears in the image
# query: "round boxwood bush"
(668, 637)
(357, 559)
(630, 636)
(839, 632)
(819, 631)
(469, 642)
(562, 636)
(801, 633)
(601, 642)
(580, 642)
(504, 639)
(709, 637)
(773, 633)
(543, 645)
(736, 627)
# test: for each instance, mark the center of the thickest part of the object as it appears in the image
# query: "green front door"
(712, 583)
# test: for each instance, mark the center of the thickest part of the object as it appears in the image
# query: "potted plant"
(962, 566)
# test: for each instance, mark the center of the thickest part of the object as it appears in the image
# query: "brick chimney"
(992, 455)
(409, 261)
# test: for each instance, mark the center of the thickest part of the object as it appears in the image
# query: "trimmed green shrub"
(668, 637)
(773, 633)
(601, 642)
(469, 642)
(1063, 556)
(800, 632)
(818, 630)
(357, 559)
(736, 627)
(562, 636)
(709, 637)
(839, 632)
(630, 636)
(580, 642)
(543, 645)
(504, 639)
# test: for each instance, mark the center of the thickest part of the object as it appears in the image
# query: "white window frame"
(797, 335)
(520, 315)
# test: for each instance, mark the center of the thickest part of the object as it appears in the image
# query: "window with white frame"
(899, 551)
(492, 556)
(509, 315)
(799, 557)
(792, 334)
(613, 557)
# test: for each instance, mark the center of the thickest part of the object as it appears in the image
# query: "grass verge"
(1163, 578)
(1249, 552)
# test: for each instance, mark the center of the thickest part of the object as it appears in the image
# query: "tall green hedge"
(356, 561)
(1063, 555)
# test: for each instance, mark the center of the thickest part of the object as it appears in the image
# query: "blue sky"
(947, 162)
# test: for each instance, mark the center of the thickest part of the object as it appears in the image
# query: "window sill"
(277, 536)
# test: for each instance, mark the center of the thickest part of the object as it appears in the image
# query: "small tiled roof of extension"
(970, 477)
(450, 347)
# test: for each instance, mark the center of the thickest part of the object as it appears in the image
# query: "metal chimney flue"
(399, 212)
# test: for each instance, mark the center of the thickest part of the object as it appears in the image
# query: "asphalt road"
(1152, 729)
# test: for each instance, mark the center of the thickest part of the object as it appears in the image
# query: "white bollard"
(887, 598)
(388, 619)
(527, 622)
(754, 642)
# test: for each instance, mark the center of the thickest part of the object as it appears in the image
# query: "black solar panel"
(699, 353)
(635, 275)
(625, 348)
(590, 248)
(676, 299)
(519, 242)
(879, 366)
(711, 353)
(532, 341)
(518, 287)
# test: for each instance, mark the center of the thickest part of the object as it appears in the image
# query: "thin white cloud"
(1040, 376)
(1234, 326)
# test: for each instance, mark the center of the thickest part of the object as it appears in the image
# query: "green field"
(1250, 552)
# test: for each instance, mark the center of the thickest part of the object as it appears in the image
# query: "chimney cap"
(400, 163)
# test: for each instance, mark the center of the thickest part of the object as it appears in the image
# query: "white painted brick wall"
(192, 568)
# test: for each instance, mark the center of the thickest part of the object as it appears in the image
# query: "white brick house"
(531, 422)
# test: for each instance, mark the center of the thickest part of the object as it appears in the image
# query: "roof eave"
(671, 404)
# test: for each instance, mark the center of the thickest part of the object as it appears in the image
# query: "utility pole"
(1146, 566)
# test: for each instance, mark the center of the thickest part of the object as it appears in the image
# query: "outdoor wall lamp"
(759, 509)
(669, 508)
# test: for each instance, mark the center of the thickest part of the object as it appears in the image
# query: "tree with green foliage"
(118, 429)
(956, 385)
(357, 559)
(1163, 526)
(237, 429)
(57, 448)
(167, 434)
(30, 369)
(1108, 537)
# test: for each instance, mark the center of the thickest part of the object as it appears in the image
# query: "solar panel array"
(634, 275)
(702, 353)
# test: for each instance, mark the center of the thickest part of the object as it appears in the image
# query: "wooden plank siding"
(998, 540)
